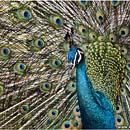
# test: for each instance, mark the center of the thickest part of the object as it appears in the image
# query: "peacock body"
(38, 89)
(94, 105)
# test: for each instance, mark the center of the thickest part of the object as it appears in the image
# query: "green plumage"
(37, 90)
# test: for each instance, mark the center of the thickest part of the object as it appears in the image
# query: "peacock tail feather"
(37, 90)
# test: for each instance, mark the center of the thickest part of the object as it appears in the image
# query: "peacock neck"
(86, 93)
(84, 85)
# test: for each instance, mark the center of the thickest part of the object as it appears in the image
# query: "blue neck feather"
(96, 109)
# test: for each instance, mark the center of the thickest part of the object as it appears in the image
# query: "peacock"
(65, 64)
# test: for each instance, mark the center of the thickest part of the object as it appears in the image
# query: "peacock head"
(75, 54)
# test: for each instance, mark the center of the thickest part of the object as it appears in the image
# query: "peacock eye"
(75, 123)
(56, 63)
(71, 87)
(46, 87)
(56, 21)
(83, 30)
(128, 66)
(119, 120)
(123, 91)
(78, 123)
(24, 108)
(115, 2)
(66, 125)
(124, 51)
(118, 109)
(92, 36)
(53, 113)
(124, 31)
(84, 46)
(83, 3)
(100, 17)
(38, 44)
(76, 111)
(5, 53)
(24, 14)
(112, 37)
(19, 68)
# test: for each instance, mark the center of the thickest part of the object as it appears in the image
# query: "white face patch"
(79, 52)
(78, 57)
(74, 60)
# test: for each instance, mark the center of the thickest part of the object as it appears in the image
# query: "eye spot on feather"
(19, 68)
(100, 17)
(53, 113)
(114, 3)
(40, 43)
(124, 31)
(118, 109)
(71, 87)
(5, 53)
(37, 44)
(67, 125)
(82, 30)
(112, 37)
(92, 36)
(78, 120)
(83, 3)
(55, 63)
(75, 123)
(24, 14)
(45, 87)
(24, 108)
(123, 91)
(124, 51)
(76, 111)
(56, 21)
(119, 120)
(128, 66)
